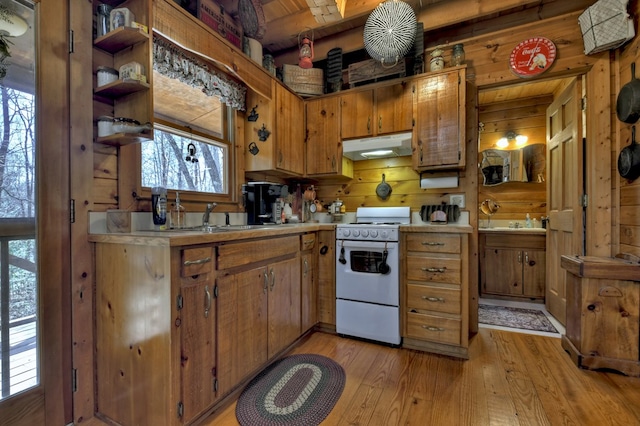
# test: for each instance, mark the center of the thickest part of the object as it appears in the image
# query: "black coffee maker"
(259, 198)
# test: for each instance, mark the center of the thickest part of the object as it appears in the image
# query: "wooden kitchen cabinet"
(155, 332)
(326, 256)
(435, 306)
(258, 305)
(323, 142)
(371, 112)
(439, 139)
(282, 117)
(603, 313)
(513, 264)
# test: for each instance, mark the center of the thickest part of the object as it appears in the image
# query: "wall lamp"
(511, 136)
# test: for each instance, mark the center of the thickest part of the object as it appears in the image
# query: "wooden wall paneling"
(82, 170)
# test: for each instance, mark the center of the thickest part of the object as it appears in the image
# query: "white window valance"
(173, 62)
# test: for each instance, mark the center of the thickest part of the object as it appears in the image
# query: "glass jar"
(103, 14)
(437, 61)
(457, 56)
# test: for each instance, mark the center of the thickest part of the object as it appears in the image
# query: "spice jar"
(457, 56)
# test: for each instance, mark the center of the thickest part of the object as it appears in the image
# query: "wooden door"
(308, 306)
(289, 131)
(242, 326)
(324, 146)
(533, 272)
(439, 138)
(394, 108)
(503, 272)
(198, 347)
(284, 304)
(357, 114)
(565, 232)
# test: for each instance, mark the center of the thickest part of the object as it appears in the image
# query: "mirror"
(526, 164)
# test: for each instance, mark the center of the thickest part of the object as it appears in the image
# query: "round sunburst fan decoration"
(390, 31)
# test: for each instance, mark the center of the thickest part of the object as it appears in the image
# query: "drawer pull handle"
(207, 301)
(266, 282)
(197, 262)
(432, 328)
(433, 299)
(432, 243)
(440, 270)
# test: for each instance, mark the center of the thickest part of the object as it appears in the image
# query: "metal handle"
(441, 270)
(432, 243)
(432, 328)
(333, 162)
(266, 282)
(380, 123)
(420, 143)
(526, 257)
(368, 124)
(280, 157)
(520, 257)
(306, 266)
(433, 299)
(207, 301)
(197, 262)
(273, 279)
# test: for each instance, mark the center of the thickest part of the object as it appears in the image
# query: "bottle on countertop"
(527, 222)
(159, 205)
(177, 214)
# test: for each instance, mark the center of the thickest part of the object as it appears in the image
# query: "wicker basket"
(606, 25)
(302, 80)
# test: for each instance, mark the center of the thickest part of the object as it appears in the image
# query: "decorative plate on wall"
(532, 57)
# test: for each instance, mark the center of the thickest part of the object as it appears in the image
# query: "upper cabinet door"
(357, 114)
(440, 121)
(289, 134)
(394, 108)
(324, 147)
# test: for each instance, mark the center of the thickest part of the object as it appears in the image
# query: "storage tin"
(121, 17)
(133, 71)
(105, 126)
(106, 75)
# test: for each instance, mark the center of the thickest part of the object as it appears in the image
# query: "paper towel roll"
(255, 47)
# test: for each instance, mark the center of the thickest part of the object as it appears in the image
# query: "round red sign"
(532, 57)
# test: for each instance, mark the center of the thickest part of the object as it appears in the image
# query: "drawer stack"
(436, 293)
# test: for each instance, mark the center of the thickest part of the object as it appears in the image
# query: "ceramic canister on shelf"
(106, 75)
(255, 48)
(437, 61)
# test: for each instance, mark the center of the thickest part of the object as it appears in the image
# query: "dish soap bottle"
(527, 222)
(177, 214)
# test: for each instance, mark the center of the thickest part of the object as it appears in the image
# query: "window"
(181, 161)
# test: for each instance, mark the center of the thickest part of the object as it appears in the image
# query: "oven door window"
(366, 261)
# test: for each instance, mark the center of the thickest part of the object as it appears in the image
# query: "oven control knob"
(346, 232)
(365, 233)
(356, 233)
(373, 233)
(384, 234)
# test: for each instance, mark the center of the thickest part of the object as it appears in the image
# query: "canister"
(105, 125)
(106, 75)
(121, 17)
(103, 19)
(457, 55)
(133, 71)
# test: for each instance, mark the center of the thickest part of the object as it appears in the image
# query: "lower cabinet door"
(198, 348)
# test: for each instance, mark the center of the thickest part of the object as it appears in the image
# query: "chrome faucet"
(207, 211)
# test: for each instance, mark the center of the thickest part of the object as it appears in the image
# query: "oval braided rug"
(296, 390)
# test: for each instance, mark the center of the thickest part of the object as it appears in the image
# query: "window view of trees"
(184, 162)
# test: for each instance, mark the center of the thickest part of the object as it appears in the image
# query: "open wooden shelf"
(116, 40)
(120, 88)
(122, 139)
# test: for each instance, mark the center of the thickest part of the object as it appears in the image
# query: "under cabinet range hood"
(377, 147)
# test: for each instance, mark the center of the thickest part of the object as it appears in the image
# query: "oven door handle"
(367, 244)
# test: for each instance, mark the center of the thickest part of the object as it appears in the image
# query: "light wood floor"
(510, 379)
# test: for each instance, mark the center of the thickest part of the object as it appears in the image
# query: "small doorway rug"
(296, 390)
(526, 319)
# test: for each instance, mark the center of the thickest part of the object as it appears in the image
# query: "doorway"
(508, 112)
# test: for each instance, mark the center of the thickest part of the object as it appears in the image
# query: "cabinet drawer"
(433, 298)
(307, 241)
(195, 261)
(433, 328)
(434, 243)
(238, 254)
(521, 241)
(442, 270)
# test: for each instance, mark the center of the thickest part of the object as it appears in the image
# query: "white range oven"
(368, 274)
